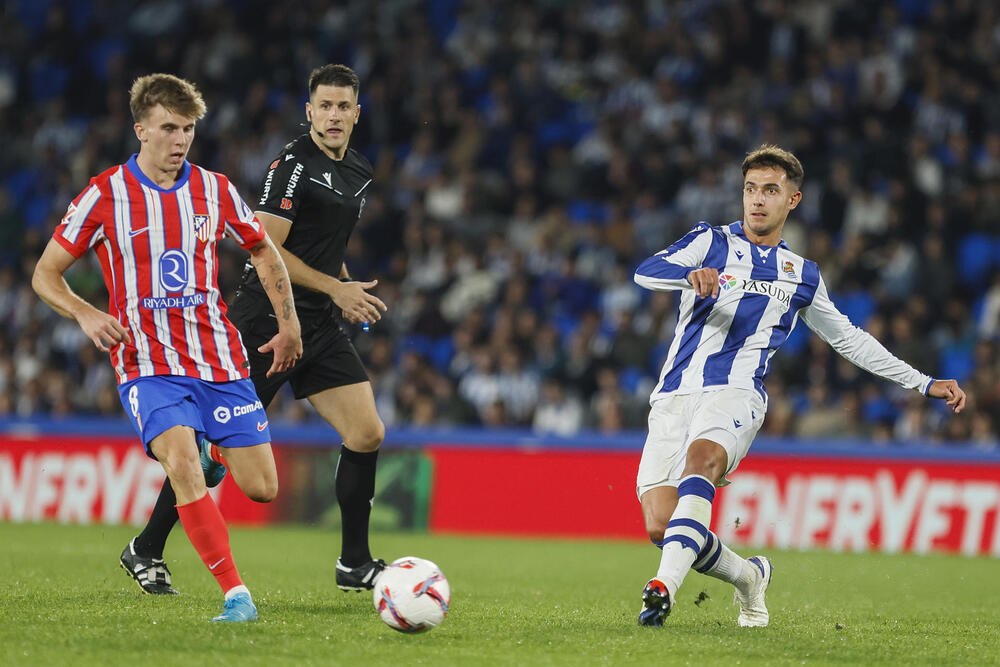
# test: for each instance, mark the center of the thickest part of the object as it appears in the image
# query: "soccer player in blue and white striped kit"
(742, 290)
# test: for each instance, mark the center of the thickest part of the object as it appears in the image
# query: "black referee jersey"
(323, 199)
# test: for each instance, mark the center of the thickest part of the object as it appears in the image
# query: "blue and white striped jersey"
(728, 341)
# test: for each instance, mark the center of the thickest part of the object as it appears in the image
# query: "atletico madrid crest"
(202, 227)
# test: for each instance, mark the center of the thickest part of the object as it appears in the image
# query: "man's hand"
(950, 391)
(705, 282)
(100, 327)
(287, 348)
(356, 304)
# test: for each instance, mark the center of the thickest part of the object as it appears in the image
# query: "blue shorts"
(228, 414)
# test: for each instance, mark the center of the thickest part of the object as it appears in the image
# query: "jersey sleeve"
(857, 345)
(669, 268)
(81, 229)
(241, 224)
(282, 189)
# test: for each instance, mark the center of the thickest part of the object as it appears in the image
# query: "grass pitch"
(64, 600)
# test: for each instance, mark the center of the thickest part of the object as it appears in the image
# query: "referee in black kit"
(312, 197)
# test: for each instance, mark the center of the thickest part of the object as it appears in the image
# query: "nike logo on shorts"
(261, 426)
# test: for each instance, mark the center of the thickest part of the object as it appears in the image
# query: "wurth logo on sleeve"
(267, 183)
(293, 180)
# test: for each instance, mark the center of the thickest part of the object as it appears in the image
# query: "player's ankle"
(235, 590)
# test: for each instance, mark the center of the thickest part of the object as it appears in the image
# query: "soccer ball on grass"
(412, 595)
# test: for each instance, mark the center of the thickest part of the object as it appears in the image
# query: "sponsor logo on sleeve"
(293, 180)
(285, 204)
(267, 184)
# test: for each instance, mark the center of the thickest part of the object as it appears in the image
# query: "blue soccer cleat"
(656, 603)
(214, 471)
(238, 609)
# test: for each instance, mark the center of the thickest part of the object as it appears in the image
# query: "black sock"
(150, 542)
(355, 488)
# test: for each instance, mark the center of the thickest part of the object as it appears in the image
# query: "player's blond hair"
(172, 93)
(769, 155)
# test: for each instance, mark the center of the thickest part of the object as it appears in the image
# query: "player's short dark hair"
(333, 75)
(172, 93)
(769, 155)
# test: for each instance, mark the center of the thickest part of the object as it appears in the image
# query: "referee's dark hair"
(333, 75)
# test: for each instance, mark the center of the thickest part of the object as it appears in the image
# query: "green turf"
(63, 600)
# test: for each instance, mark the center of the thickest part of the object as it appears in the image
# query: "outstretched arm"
(863, 350)
(287, 343)
(49, 283)
(351, 297)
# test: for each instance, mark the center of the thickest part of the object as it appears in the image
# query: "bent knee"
(262, 491)
(655, 530)
(367, 439)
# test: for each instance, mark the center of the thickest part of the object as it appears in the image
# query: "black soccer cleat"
(151, 574)
(656, 604)
(360, 578)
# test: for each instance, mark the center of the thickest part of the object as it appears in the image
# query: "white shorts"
(730, 417)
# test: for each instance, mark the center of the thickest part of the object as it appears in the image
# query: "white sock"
(237, 589)
(719, 561)
(686, 533)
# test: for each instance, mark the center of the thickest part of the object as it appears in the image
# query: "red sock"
(216, 455)
(207, 531)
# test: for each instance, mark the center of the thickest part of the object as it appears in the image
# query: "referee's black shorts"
(328, 356)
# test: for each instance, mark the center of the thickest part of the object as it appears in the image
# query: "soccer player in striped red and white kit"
(742, 290)
(154, 223)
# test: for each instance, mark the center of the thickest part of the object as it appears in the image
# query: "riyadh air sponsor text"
(155, 303)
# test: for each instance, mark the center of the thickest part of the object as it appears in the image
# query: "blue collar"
(737, 228)
(133, 166)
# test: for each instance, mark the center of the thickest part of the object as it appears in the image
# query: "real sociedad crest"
(789, 270)
(202, 228)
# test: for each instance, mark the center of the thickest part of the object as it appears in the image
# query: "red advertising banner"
(94, 480)
(775, 500)
(543, 492)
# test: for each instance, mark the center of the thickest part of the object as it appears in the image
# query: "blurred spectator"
(558, 412)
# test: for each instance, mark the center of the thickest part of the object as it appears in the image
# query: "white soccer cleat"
(753, 611)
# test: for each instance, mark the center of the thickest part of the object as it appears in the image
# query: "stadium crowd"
(528, 155)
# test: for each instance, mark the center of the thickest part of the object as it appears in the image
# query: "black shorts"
(328, 356)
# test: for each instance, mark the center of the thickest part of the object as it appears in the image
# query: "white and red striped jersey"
(157, 251)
